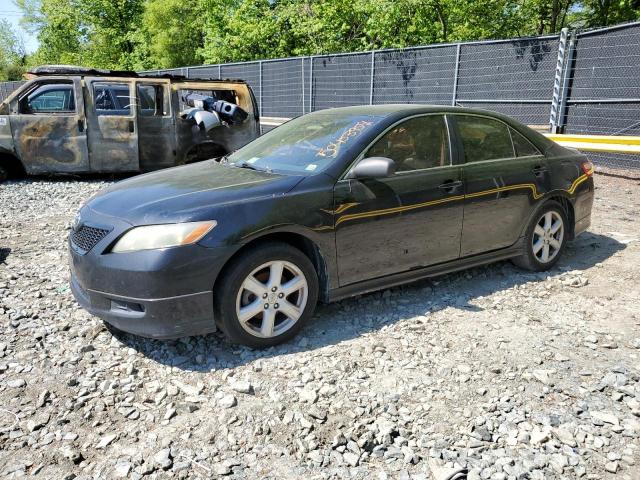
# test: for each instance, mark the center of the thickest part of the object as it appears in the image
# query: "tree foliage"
(138, 34)
(12, 53)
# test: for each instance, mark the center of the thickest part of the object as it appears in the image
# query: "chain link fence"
(6, 88)
(574, 82)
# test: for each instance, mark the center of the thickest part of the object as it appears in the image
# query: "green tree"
(596, 13)
(174, 32)
(140, 34)
(246, 30)
(12, 53)
(59, 29)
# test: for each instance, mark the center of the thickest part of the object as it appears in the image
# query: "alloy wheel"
(271, 299)
(548, 235)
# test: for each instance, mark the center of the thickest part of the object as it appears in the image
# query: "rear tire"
(545, 238)
(266, 295)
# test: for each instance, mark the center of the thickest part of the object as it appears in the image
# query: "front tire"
(545, 238)
(4, 173)
(266, 295)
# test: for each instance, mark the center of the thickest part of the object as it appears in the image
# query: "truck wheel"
(545, 238)
(266, 295)
(4, 173)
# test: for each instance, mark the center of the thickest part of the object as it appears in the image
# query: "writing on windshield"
(331, 150)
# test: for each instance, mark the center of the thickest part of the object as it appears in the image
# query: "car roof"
(404, 109)
(74, 70)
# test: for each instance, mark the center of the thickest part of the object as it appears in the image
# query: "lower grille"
(85, 238)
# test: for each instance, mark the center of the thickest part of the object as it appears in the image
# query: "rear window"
(522, 146)
(226, 95)
(484, 138)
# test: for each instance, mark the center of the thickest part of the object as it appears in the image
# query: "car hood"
(187, 193)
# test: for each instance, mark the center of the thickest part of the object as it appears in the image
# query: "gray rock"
(228, 401)
(106, 440)
(351, 458)
(122, 469)
(611, 467)
(241, 386)
(163, 459)
(308, 395)
(605, 417)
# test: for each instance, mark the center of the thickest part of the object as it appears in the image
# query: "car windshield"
(304, 145)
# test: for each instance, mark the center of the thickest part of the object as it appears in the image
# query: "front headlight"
(162, 236)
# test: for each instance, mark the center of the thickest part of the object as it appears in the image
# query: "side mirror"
(373, 167)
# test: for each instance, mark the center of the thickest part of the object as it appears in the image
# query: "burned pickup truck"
(69, 119)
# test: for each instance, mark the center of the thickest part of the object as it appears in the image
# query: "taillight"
(587, 167)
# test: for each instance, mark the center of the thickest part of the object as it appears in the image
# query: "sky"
(12, 14)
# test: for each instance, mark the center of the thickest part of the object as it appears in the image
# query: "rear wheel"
(267, 295)
(545, 238)
(4, 173)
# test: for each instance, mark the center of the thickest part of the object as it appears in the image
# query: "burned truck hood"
(189, 193)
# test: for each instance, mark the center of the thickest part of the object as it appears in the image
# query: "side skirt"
(425, 272)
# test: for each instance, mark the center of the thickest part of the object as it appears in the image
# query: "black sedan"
(332, 204)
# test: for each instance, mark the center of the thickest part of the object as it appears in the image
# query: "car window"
(112, 99)
(522, 146)
(151, 101)
(415, 144)
(51, 98)
(484, 138)
(219, 94)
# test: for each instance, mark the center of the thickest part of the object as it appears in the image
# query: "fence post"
(555, 120)
(567, 77)
(302, 62)
(219, 72)
(455, 77)
(186, 72)
(311, 84)
(260, 86)
(373, 70)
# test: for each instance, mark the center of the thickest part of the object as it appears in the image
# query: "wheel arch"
(204, 151)
(297, 240)
(12, 162)
(565, 201)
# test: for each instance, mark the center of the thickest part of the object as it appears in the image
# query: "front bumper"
(160, 318)
(162, 293)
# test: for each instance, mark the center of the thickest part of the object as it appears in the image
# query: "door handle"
(80, 125)
(539, 170)
(131, 126)
(451, 186)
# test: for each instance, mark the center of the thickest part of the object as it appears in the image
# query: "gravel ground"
(508, 374)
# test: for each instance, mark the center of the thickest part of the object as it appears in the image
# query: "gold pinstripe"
(342, 208)
(387, 211)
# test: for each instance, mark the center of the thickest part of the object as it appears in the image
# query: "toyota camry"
(329, 205)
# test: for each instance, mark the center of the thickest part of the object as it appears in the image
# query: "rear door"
(48, 126)
(156, 137)
(504, 176)
(111, 122)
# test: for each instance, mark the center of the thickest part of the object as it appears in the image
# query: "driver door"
(49, 128)
(111, 123)
(409, 220)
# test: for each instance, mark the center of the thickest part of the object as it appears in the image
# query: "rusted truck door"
(156, 130)
(48, 126)
(111, 122)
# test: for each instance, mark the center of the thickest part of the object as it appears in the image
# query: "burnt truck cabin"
(79, 120)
